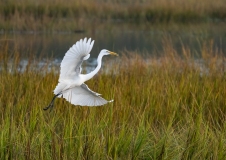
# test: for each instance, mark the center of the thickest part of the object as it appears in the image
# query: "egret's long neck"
(91, 74)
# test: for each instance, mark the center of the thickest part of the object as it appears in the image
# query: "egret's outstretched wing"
(74, 57)
(83, 96)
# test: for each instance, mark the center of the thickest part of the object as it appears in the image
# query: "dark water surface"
(149, 40)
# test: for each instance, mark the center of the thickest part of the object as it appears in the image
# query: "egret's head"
(106, 52)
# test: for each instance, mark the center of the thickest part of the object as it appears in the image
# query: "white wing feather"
(74, 57)
(70, 68)
(83, 96)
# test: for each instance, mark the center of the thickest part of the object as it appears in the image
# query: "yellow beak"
(113, 53)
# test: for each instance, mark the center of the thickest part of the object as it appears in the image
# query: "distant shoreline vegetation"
(74, 15)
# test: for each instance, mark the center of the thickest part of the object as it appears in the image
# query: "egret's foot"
(51, 103)
(50, 106)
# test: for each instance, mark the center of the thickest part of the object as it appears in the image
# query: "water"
(148, 39)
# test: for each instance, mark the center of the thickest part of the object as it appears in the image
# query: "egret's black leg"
(51, 103)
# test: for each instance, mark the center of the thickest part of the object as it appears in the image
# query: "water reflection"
(141, 40)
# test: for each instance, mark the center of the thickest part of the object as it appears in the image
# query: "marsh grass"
(85, 14)
(167, 107)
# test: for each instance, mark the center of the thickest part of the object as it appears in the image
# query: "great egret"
(71, 81)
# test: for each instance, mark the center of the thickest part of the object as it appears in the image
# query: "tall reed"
(167, 107)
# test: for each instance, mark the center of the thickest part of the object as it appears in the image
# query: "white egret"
(71, 84)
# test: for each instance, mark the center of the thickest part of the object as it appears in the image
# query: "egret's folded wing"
(74, 57)
(83, 96)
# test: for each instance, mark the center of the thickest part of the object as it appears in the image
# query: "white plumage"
(71, 82)
(83, 96)
(74, 57)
